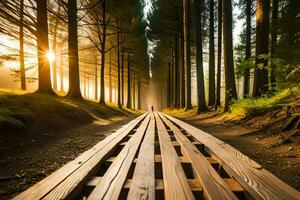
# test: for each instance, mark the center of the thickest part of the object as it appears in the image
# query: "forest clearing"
(150, 99)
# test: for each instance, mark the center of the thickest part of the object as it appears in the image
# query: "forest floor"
(41, 133)
(262, 136)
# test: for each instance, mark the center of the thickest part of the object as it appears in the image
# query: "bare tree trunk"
(274, 41)
(172, 78)
(74, 80)
(96, 76)
(230, 88)
(110, 81)
(128, 84)
(169, 86)
(139, 94)
(44, 85)
(133, 90)
(212, 85)
(262, 43)
(199, 60)
(103, 49)
(176, 72)
(119, 81)
(61, 69)
(187, 38)
(54, 49)
(22, 60)
(122, 76)
(219, 64)
(182, 75)
(84, 82)
(248, 48)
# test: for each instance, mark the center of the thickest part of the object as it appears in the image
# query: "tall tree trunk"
(169, 86)
(219, 64)
(187, 38)
(84, 81)
(122, 76)
(172, 78)
(199, 60)
(119, 68)
(274, 41)
(54, 49)
(262, 43)
(133, 90)
(139, 94)
(248, 47)
(128, 84)
(74, 80)
(230, 87)
(182, 74)
(61, 68)
(110, 80)
(96, 76)
(44, 85)
(22, 60)
(176, 72)
(212, 85)
(103, 49)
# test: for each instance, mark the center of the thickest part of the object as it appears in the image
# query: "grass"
(22, 111)
(255, 106)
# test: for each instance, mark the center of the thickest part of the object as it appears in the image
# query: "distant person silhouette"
(152, 108)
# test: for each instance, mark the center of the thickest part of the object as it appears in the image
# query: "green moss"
(255, 106)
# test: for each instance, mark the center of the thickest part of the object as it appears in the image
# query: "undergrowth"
(254, 106)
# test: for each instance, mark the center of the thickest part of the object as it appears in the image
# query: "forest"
(76, 73)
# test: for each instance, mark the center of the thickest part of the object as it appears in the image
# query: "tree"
(219, 61)
(230, 88)
(44, 84)
(22, 62)
(261, 86)
(187, 46)
(199, 60)
(273, 41)
(212, 85)
(248, 47)
(74, 82)
(128, 105)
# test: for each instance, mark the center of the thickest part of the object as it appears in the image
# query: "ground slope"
(40, 133)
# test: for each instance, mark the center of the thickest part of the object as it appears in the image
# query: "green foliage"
(288, 74)
(251, 106)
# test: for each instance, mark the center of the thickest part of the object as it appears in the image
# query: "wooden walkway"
(157, 156)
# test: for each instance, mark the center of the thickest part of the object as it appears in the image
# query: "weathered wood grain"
(143, 181)
(214, 187)
(260, 183)
(113, 180)
(175, 182)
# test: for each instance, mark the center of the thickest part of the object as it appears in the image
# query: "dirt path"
(28, 159)
(255, 140)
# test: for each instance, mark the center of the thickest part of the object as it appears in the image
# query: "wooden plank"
(43, 187)
(143, 181)
(175, 182)
(114, 178)
(213, 185)
(260, 183)
(90, 158)
(159, 184)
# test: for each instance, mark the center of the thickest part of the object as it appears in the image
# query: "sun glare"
(50, 56)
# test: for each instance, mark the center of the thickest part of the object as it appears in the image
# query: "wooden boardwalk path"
(157, 156)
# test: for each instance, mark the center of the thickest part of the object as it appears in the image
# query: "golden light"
(50, 56)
